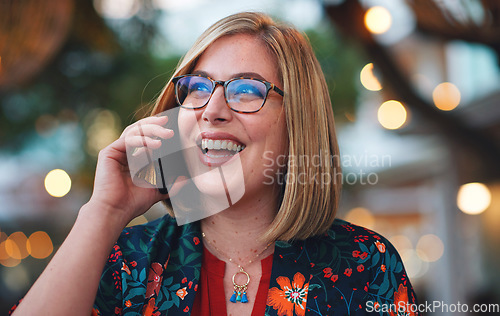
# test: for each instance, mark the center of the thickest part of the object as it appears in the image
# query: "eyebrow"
(236, 75)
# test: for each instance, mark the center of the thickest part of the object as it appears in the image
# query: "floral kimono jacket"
(154, 270)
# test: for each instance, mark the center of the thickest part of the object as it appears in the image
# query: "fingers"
(147, 133)
(152, 120)
(148, 130)
(142, 141)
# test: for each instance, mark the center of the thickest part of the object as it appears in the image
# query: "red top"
(210, 299)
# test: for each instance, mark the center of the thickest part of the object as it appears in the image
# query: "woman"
(277, 248)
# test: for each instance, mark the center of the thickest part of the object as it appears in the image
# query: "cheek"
(188, 123)
(277, 134)
(273, 138)
(270, 128)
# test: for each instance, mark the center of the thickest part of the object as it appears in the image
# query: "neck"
(235, 232)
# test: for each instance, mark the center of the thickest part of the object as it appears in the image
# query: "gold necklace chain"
(239, 293)
(230, 259)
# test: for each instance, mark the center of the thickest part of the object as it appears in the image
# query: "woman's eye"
(199, 87)
(249, 90)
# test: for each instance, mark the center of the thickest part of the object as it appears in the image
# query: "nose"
(216, 111)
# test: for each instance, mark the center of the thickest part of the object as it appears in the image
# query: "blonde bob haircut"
(310, 197)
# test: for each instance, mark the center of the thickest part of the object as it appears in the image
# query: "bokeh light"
(8, 246)
(473, 198)
(361, 216)
(3, 252)
(39, 245)
(16, 279)
(103, 128)
(401, 242)
(368, 78)
(392, 114)
(57, 183)
(117, 9)
(446, 96)
(415, 267)
(15, 245)
(430, 248)
(378, 20)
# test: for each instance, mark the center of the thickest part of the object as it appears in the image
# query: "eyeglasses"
(243, 95)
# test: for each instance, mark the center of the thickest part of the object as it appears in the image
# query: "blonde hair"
(306, 209)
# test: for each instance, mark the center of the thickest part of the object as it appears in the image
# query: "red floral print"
(125, 268)
(181, 293)
(154, 279)
(150, 309)
(401, 302)
(196, 240)
(328, 272)
(380, 246)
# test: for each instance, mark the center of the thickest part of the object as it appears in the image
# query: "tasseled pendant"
(240, 290)
(233, 297)
(244, 298)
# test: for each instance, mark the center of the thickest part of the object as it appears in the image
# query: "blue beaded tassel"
(244, 298)
(233, 297)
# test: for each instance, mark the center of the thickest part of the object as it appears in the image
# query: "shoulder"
(348, 237)
(156, 240)
(347, 249)
(147, 231)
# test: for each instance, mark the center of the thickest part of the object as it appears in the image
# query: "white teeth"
(221, 144)
(216, 144)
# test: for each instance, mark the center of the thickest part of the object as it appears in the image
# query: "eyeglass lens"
(245, 95)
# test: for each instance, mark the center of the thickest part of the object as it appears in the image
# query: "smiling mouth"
(218, 148)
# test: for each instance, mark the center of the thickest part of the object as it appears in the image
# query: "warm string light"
(392, 114)
(17, 247)
(378, 20)
(473, 198)
(368, 78)
(446, 96)
(57, 183)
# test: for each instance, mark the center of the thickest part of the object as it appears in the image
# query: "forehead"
(240, 53)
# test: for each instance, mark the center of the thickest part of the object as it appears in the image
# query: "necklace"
(240, 290)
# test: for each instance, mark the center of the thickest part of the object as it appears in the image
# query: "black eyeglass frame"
(269, 86)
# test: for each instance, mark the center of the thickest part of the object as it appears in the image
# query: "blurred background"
(415, 87)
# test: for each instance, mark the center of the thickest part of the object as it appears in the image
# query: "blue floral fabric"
(154, 270)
